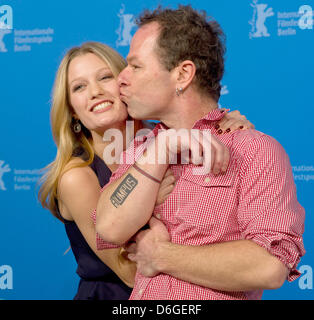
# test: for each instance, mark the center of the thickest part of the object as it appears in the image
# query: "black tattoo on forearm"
(123, 191)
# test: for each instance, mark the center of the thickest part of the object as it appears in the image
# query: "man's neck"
(187, 109)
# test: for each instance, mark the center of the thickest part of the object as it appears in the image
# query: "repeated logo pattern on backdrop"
(127, 25)
(23, 39)
(3, 169)
(288, 23)
(269, 71)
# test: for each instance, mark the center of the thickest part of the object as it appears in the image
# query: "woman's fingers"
(233, 121)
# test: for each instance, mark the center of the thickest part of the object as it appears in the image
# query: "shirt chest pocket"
(210, 192)
(210, 180)
(210, 203)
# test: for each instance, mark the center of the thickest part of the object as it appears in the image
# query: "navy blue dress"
(98, 282)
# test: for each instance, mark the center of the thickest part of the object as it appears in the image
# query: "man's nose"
(123, 78)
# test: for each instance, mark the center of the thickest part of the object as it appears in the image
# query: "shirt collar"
(214, 115)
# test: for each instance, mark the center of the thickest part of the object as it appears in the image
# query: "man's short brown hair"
(187, 34)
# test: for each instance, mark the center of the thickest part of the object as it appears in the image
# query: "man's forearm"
(231, 266)
(127, 204)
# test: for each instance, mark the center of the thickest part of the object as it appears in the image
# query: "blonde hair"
(61, 122)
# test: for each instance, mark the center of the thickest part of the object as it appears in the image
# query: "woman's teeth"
(102, 106)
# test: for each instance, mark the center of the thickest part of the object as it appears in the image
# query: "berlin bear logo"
(125, 28)
(3, 169)
(259, 17)
(3, 32)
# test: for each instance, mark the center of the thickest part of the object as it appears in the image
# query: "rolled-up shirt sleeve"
(269, 212)
(100, 243)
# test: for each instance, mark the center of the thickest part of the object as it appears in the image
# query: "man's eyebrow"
(129, 59)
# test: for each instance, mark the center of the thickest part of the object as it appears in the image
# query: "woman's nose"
(96, 90)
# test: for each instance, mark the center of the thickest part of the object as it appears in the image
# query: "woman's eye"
(77, 87)
(110, 76)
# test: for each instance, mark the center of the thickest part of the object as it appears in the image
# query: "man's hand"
(193, 146)
(145, 249)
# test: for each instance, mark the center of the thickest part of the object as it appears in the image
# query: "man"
(223, 236)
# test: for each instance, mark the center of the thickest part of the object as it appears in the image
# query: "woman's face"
(94, 93)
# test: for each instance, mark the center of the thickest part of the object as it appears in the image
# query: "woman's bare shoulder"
(76, 174)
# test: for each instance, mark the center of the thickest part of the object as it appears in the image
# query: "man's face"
(145, 85)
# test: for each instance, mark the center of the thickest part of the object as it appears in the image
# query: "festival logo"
(224, 90)
(3, 169)
(6, 25)
(260, 14)
(306, 280)
(3, 32)
(288, 23)
(6, 17)
(6, 277)
(24, 40)
(22, 179)
(303, 173)
(306, 19)
(125, 28)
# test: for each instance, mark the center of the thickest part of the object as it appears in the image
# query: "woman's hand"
(166, 187)
(232, 121)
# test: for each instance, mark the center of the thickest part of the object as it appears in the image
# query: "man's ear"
(185, 74)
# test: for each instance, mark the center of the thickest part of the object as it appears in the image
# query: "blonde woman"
(85, 104)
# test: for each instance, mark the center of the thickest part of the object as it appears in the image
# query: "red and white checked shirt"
(255, 200)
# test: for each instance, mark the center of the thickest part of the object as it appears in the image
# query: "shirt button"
(158, 216)
(207, 179)
(141, 292)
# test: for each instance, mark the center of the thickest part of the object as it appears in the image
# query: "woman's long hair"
(66, 140)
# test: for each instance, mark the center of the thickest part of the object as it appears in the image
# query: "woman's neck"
(99, 143)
